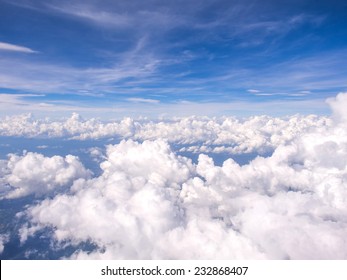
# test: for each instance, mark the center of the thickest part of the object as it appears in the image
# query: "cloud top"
(150, 203)
(162, 206)
(33, 173)
(198, 134)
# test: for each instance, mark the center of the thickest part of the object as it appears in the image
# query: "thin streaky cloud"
(264, 94)
(253, 90)
(143, 100)
(199, 51)
(100, 17)
(139, 107)
(15, 48)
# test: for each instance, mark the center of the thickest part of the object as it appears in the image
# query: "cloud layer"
(198, 134)
(149, 203)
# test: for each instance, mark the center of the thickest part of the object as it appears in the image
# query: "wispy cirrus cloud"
(253, 91)
(93, 15)
(15, 48)
(237, 20)
(30, 75)
(321, 72)
(138, 107)
(197, 51)
(143, 100)
(139, 73)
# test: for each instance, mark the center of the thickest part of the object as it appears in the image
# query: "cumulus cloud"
(228, 134)
(338, 105)
(32, 173)
(150, 203)
(128, 208)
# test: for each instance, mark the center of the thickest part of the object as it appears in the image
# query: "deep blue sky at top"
(58, 54)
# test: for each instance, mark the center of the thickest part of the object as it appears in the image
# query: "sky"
(180, 123)
(158, 58)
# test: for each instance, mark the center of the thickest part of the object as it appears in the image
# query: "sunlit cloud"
(160, 202)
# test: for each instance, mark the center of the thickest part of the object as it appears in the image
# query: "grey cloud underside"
(150, 203)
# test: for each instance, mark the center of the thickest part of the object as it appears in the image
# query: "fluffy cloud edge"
(290, 205)
(227, 134)
(33, 173)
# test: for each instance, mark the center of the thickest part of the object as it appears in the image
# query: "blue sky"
(171, 57)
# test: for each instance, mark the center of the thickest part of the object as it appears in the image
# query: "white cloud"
(148, 68)
(137, 62)
(338, 106)
(12, 104)
(33, 173)
(159, 207)
(258, 133)
(253, 90)
(149, 203)
(4, 238)
(137, 194)
(144, 100)
(103, 18)
(15, 48)
(290, 205)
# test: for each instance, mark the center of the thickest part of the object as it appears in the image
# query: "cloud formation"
(150, 203)
(32, 173)
(143, 100)
(3, 240)
(140, 48)
(198, 134)
(15, 48)
(137, 192)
